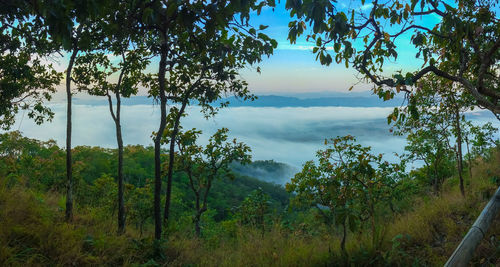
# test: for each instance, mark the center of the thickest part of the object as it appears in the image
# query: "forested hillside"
(38, 165)
(249, 221)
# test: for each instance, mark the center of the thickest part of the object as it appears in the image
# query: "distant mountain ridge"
(289, 101)
(272, 101)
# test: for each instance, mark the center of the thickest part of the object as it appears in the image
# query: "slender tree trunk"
(459, 151)
(197, 217)
(121, 187)
(171, 154)
(141, 227)
(119, 139)
(391, 206)
(374, 230)
(197, 227)
(436, 184)
(201, 207)
(69, 171)
(159, 134)
(344, 236)
(469, 158)
(429, 171)
(117, 119)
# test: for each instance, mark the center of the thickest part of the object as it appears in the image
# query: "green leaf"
(336, 47)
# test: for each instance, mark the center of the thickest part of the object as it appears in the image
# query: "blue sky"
(293, 68)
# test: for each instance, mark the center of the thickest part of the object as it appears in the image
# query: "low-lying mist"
(288, 135)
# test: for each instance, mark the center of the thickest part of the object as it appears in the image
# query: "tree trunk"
(141, 227)
(69, 172)
(197, 227)
(436, 178)
(117, 119)
(119, 139)
(391, 206)
(159, 134)
(344, 237)
(173, 136)
(468, 158)
(374, 230)
(197, 217)
(459, 151)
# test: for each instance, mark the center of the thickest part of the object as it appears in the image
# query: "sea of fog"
(290, 135)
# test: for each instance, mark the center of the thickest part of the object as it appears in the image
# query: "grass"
(33, 232)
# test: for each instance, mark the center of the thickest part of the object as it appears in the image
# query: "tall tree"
(68, 23)
(207, 69)
(117, 37)
(95, 72)
(435, 111)
(69, 172)
(169, 22)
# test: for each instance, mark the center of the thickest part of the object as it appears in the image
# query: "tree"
(461, 47)
(170, 24)
(206, 71)
(140, 205)
(435, 121)
(93, 72)
(69, 27)
(32, 30)
(26, 79)
(203, 165)
(435, 111)
(254, 209)
(478, 139)
(346, 180)
(427, 132)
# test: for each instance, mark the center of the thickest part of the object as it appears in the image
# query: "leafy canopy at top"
(463, 46)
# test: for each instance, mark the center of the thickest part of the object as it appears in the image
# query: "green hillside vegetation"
(244, 226)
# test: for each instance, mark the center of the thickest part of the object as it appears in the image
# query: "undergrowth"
(33, 232)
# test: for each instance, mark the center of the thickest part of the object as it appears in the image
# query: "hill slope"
(33, 232)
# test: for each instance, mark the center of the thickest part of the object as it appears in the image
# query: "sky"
(293, 68)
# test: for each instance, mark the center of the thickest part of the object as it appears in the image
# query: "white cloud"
(366, 6)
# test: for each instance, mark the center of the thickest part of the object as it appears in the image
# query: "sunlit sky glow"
(293, 68)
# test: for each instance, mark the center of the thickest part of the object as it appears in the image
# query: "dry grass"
(428, 234)
(33, 232)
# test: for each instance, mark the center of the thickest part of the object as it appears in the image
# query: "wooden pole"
(477, 232)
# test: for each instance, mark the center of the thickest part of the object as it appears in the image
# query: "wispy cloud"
(298, 47)
(289, 135)
(366, 6)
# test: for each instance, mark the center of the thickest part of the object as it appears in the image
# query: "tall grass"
(33, 232)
